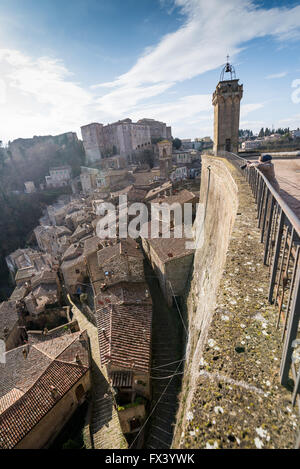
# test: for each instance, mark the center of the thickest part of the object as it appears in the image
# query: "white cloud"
(42, 97)
(210, 31)
(246, 108)
(39, 96)
(276, 75)
(292, 122)
(121, 100)
(2, 92)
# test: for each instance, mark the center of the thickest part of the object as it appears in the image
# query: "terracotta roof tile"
(124, 292)
(181, 197)
(26, 379)
(125, 335)
(26, 412)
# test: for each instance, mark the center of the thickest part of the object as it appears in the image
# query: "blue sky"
(67, 63)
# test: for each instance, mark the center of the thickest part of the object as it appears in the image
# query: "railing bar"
(296, 389)
(290, 292)
(273, 232)
(280, 233)
(280, 272)
(263, 196)
(276, 255)
(267, 242)
(258, 188)
(265, 216)
(285, 280)
(292, 327)
(291, 216)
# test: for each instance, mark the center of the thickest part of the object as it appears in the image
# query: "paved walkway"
(165, 351)
(105, 427)
(288, 175)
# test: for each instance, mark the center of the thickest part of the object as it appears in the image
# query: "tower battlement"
(226, 101)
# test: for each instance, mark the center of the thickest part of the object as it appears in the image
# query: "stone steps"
(166, 349)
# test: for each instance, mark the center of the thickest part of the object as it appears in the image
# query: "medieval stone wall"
(231, 395)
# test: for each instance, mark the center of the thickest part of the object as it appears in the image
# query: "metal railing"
(280, 234)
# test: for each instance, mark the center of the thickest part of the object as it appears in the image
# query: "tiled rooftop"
(120, 262)
(126, 247)
(73, 252)
(133, 194)
(18, 420)
(124, 292)
(154, 192)
(26, 379)
(44, 278)
(169, 248)
(181, 197)
(125, 336)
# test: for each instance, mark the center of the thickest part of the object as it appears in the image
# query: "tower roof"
(228, 71)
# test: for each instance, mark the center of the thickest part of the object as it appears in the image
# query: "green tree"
(146, 157)
(177, 143)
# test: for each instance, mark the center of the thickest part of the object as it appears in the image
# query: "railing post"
(267, 242)
(291, 287)
(276, 255)
(261, 202)
(292, 329)
(296, 389)
(265, 217)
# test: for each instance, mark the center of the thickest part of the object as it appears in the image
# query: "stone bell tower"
(226, 100)
(165, 158)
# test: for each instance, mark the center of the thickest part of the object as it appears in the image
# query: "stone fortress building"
(226, 101)
(123, 137)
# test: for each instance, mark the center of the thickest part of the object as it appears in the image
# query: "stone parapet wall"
(231, 395)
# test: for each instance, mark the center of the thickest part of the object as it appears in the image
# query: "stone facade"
(123, 137)
(112, 178)
(52, 239)
(157, 129)
(73, 268)
(126, 138)
(59, 176)
(92, 136)
(171, 262)
(226, 100)
(88, 179)
(29, 187)
(165, 158)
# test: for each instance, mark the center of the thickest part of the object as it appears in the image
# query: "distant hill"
(30, 159)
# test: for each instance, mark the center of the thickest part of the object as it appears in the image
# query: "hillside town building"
(11, 324)
(165, 158)
(29, 187)
(52, 239)
(124, 138)
(171, 260)
(60, 176)
(41, 385)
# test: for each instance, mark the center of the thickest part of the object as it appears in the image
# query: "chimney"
(77, 358)
(25, 351)
(54, 392)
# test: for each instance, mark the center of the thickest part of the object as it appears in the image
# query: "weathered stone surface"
(231, 396)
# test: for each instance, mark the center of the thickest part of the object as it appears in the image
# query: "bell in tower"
(226, 100)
